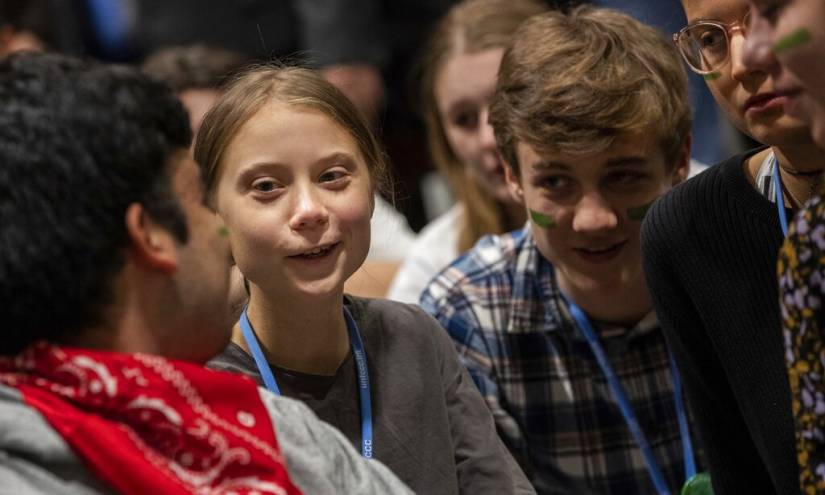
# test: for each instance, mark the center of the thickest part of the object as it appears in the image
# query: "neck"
(799, 167)
(147, 317)
(513, 215)
(298, 334)
(624, 306)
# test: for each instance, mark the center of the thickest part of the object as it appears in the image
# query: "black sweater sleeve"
(709, 250)
(725, 440)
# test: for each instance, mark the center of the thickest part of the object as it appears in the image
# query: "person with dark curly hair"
(114, 278)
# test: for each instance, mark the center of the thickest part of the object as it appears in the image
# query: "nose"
(309, 211)
(487, 136)
(740, 70)
(593, 214)
(757, 53)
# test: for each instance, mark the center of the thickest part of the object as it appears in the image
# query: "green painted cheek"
(711, 76)
(542, 220)
(799, 37)
(223, 231)
(639, 212)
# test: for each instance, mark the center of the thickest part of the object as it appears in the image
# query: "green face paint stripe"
(711, 76)
(798, 37)
(223, 232)
(639, 212)
(542, 220)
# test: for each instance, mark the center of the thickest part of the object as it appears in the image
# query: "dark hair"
(193, 66)
(81, 141)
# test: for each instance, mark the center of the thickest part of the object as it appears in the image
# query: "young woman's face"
(295, 194)
(463, 89)
(748, 95)
(787, 38)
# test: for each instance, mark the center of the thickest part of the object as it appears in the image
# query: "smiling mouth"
(318, 252)
(600, 253)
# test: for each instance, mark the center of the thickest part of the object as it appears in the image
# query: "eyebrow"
(335, 156)
(622, 161)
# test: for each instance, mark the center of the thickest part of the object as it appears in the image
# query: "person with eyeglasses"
(710, 250)
(787, 39)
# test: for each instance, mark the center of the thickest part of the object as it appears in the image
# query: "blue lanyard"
(629, 415)
(360, 363)
(780, 201)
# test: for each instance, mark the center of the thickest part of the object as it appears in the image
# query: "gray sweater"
(34, 459)
(431, 426)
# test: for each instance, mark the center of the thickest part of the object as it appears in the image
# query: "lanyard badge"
(364, 394)
(780, 200)
(696, 484)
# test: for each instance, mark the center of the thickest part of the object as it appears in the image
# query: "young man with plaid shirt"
(554, 321)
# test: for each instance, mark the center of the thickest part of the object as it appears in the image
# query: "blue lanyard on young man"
(360, 362)
(780, 200)
(659, 482)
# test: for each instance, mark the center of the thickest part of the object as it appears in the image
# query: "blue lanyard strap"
(358, 353)
(629, 415)
(780, 201)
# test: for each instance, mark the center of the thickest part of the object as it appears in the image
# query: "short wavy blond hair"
(573, 82)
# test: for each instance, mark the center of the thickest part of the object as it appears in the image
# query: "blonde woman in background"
(459, 71)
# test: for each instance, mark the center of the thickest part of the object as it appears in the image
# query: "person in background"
(788, 41)
(458, 79)
(554, 321)
(710, 250)
(113, 302)
(292, 168)
(25, 25)
(195, 73)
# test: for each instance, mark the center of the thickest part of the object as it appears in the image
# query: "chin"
(778, 131)
(321, 289)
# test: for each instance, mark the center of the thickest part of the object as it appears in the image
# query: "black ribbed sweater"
(710, 248)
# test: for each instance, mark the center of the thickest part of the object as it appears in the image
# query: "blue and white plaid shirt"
(501, 305)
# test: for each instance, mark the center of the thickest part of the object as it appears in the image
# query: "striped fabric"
(501, 305)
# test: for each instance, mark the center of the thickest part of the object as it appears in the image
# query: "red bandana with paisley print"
(145, 424)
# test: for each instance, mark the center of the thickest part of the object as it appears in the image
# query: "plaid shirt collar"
(534, 284)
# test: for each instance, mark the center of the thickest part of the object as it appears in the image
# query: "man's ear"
(513, 183)
(681, 168)
(150, 243)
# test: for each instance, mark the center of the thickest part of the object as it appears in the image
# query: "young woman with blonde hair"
(458, 78)
(292, 168)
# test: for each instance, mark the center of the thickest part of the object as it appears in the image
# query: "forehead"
(626, 150)
(468, 76)
(719, 10)
(289, 134)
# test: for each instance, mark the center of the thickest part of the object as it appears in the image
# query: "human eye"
(337, 176)
(467, 119)
(554, 184)
(265, 185)
(711, 38)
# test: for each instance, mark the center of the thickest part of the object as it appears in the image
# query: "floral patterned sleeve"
(801, 271)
